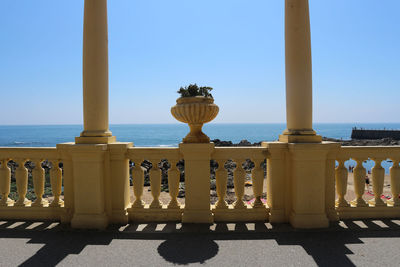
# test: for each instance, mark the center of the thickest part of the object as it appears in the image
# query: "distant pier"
(360, 133)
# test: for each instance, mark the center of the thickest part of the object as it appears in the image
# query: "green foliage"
(194, 90)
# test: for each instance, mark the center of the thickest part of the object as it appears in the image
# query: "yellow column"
(95, 75)
(298, 74)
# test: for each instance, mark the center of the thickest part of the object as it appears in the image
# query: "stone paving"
(347, 243)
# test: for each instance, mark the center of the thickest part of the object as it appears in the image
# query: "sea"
(170, 135)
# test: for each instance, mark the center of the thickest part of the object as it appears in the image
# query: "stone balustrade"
(239, 210)
(155, 211)
(359, 207)
(23, 208)
(104, 189)
(172, 211)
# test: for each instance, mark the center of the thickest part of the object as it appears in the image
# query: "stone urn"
(195, 111)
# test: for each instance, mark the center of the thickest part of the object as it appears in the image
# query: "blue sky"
(235, 46)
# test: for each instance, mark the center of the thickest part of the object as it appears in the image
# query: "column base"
(332, 215)
(119, 217)
(95, 139)
(292, 138)
(277, 216)
(309, 221)
(197, 216)
(89, 221)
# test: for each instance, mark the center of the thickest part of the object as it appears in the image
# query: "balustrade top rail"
(171, 153)
(364, 152)
(240, 153)
(50, 153)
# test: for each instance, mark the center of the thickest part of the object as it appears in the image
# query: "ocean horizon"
(169, 135)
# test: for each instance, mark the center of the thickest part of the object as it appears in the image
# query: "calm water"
(168, 134)
(172, 134)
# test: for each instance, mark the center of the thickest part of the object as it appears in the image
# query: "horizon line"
(178, 123)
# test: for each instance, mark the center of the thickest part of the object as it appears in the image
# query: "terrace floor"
(347, 243)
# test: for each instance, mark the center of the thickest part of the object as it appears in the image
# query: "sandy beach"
(350, 188)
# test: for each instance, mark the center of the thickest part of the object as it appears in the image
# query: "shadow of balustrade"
(184, 244)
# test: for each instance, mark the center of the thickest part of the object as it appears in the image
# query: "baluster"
(138, 183)
(395, 183)
(378, 176)
(5, 182)
(341, 176)
(221, 179)
(56, 184)
(155, 184)
(38, 184)
(359, 184)
(173, 185)
(257, 175)
(21, 176)
(238, 181)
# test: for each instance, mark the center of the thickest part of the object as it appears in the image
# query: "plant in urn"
(195, 107)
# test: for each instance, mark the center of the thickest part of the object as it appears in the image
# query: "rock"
(244, 143)
(219, 143)
(365, 142)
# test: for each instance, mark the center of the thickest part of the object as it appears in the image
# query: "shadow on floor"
(184, 244)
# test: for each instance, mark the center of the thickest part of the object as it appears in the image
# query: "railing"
(24, 208)
(239, 210)
(103, 188)
(172, 211)
(359, 207)
(155, 211)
